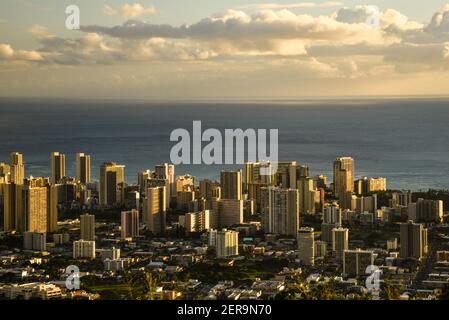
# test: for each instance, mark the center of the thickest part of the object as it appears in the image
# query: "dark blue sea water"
(405, 140)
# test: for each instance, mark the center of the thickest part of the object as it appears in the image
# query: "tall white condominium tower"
(82, 167)
(57, 166)
(306, 246)
(227, 243)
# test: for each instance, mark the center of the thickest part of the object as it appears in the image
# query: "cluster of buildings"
(246, 216)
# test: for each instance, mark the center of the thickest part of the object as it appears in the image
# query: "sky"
(194, 49)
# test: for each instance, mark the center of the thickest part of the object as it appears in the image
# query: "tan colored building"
(343, 177)
(35, 205)
(156, 209)
(227, 243)
(17, 168)
(197, 221)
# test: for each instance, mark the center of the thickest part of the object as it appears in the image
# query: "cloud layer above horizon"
(249, 45)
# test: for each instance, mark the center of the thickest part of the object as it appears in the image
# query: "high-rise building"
(112, 184)
(82, 168)
(52, 206)
(12, 206)
(142, 178)
(343, 177)
(35, 241)
(5, 172)
(87, 226)
(57, 167)
(17, 168)
(30, 206)
(401, 199)
(306, 246)
(227, 243)
(34, 205)
(426, 211)
(285, 176)
(226, 213)
(307, 195)
(209, 189)
(413, 240)
(155, 209)
(340, 241)
(197, 221)
(320, 249)
(366, 186)
(130, 224)
(280, 211)
(167, 171)
(256, 176)
(231, 184)
(356, 262)
(83, 249)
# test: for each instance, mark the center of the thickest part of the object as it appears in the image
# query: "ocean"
(404, 140)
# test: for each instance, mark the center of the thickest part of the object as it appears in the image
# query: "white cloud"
(274, 6)
(8, 53)
(129, 10)
(39, 31)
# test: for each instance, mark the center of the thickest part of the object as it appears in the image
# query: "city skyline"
(171, 50)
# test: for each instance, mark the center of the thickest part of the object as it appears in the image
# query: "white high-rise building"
(83, 249)
(227, 243)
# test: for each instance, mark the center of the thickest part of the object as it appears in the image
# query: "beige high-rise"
(227, 243)
(17, 168)
(57, 167)
(343, 176)
(35, 205)
(155, 209)
(82, 168)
